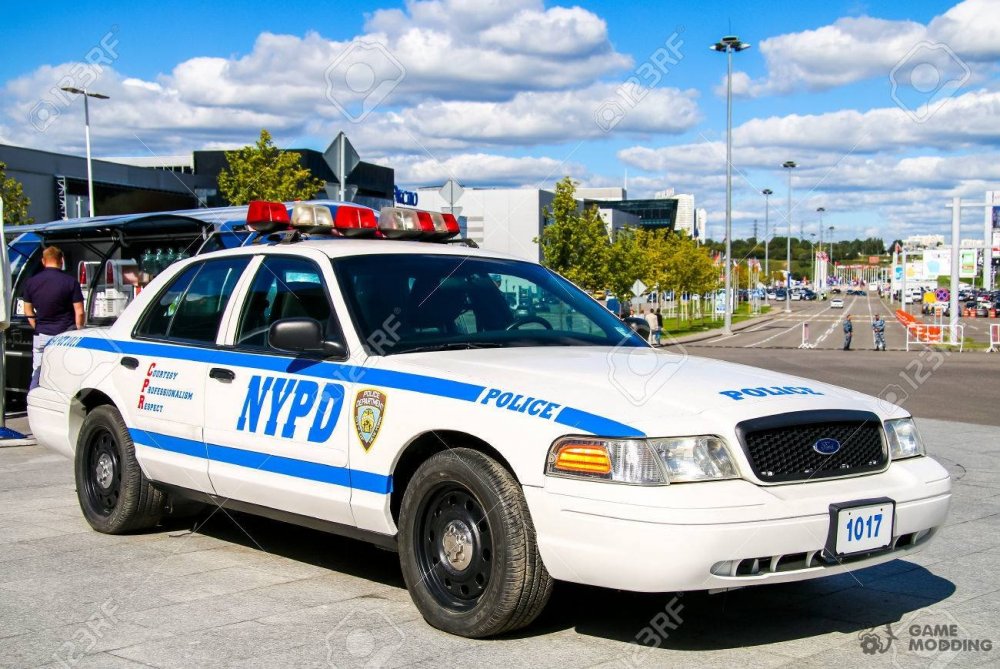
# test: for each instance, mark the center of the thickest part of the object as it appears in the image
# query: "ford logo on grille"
(826, 446)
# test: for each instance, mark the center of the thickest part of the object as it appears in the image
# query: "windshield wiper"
(449, 346)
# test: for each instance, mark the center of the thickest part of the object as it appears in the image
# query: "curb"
(12, 443)
(712, 334)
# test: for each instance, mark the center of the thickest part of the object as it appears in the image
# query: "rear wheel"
(115, 496)
(467, 547)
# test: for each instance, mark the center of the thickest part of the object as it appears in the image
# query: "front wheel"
(467, 547)
(115, 496)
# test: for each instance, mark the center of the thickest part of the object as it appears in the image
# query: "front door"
(276, 427)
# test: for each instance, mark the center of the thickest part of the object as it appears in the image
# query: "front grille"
(781, 448)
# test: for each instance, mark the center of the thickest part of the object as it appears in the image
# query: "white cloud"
(481, 169)
(462, 73)
(853, 49)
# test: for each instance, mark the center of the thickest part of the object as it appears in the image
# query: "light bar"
(452, 224)
(436, 227)
(355, 221)
(265, 217)
(312, 218)
(398, 223)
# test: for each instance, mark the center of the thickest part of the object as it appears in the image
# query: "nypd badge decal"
(369, 409)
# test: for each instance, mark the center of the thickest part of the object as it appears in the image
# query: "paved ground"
(785, 330)
(241, 591)
(944, 385)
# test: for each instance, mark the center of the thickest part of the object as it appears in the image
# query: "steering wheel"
(525, 320)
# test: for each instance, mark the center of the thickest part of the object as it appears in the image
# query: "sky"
(889, 109)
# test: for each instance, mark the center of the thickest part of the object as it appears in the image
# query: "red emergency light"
(355, 221)
(266, 217)
(400, 223)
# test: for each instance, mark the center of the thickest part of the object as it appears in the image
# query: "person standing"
(659, 326)
(878, 327)
(53, 303)
(848, 332)
(654, 332)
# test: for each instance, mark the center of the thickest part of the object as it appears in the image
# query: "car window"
(284, 287)
(156, 320)
(424, 301)
(191, 308)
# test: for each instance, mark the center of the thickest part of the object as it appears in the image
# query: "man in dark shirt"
(53, 303)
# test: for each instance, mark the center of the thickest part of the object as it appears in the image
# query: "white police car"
(479, 414)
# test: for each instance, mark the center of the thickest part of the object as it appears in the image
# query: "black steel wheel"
(103, 484)
(454, 546)
(467, 546)
(115, 496)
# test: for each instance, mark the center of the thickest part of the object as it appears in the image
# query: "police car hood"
(637, 386)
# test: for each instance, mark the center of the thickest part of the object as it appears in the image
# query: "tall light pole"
(86, 121)
(728, 45)
(767, 240)
(820, 210)
(789, 165)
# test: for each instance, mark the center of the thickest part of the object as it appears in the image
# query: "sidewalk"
(711, 334)
(19, 424)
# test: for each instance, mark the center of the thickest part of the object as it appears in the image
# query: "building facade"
(56, 184)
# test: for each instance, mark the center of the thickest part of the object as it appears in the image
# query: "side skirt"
(386, 541)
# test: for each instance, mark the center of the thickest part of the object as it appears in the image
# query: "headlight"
(642, 461)
(904, 440)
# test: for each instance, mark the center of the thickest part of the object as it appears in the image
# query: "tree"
(626, 263)
(689, 267)
(575, 245)
(15, 202)
(264, 172)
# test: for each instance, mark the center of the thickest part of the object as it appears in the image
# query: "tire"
(467, 547)
(115, 496)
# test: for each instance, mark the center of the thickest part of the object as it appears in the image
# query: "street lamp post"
(789, 165)
(728, 45)
(86, 121)
(767, 240)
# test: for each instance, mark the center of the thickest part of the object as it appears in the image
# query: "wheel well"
(425, 446)
(82, 404)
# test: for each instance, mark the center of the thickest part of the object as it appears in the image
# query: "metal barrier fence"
(935, 335)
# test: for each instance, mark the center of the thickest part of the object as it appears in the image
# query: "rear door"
(276, 426)
(163, 371)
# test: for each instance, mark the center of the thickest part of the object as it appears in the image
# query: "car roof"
(339, 247)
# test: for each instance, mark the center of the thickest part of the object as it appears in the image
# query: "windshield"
(408, 302)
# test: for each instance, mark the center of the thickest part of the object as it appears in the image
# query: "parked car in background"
(837, 303)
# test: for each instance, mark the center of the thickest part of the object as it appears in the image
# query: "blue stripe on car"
(275, 464)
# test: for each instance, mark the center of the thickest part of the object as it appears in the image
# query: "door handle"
(129, 363)
(222, 374)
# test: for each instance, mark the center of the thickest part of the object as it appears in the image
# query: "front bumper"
(723, 534)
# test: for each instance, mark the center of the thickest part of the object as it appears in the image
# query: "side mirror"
(639, 326)
(302, 335)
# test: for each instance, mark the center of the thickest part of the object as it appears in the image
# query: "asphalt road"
(244, 592)
(942, 384)
(824, 326)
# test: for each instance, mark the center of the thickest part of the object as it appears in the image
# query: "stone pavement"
(242, 591)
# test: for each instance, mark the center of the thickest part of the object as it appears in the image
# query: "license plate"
(860, 527)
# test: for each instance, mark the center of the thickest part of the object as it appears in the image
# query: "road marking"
(803, 316)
